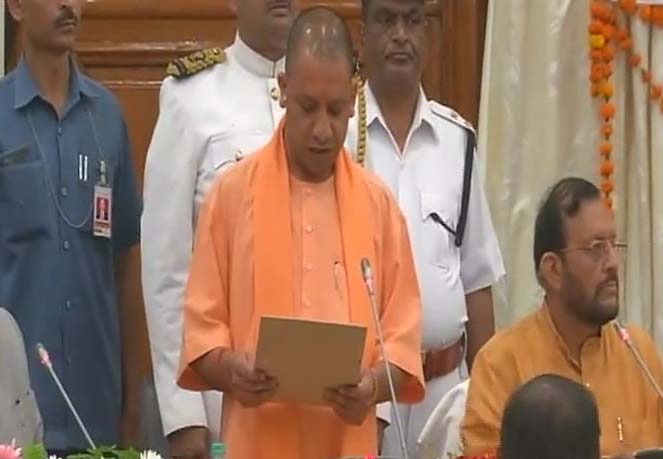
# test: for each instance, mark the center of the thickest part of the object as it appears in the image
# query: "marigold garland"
(602, 28)
(605, 36)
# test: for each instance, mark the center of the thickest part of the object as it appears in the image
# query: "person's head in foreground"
(317, 92)
(576, 254)
(550, 417)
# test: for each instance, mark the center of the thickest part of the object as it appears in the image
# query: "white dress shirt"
(440, 437)
(426, 178)
(206, 123)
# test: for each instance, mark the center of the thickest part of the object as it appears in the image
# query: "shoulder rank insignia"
(186, 66)
(451, 115)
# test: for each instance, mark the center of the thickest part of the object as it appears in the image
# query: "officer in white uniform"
(216, 106)
(420, 149)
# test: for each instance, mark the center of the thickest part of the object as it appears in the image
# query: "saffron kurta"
(629, 410)
(271, 245)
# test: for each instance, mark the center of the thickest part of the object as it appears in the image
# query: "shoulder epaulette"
(451, 115)
(186, 66)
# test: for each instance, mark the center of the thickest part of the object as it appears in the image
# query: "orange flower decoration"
(601, 10)
(597, 41)
(594, 90)
(607, 186)
(657, 15)
(608, 32)
(607, 130)
(630, 6)
(605, 148)
(622, 34)
(626, 43)
(602, 52)
(607, 35)
(595, 7)
(607, 168)
(645, 12)
(608, 111)
(607, 89)
(596, 27)
(608, 53)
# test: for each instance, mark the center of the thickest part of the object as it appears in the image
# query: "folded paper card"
(308, 356)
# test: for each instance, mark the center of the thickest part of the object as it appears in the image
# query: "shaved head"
(321, 33)
(317, 92)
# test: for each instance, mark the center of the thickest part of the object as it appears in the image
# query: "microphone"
(367, 275)
(626, 338)
(45, 360)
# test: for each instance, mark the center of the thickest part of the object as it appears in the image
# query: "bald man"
(283, 234)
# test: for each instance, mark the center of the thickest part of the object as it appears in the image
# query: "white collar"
(254, 62)
(422, 113)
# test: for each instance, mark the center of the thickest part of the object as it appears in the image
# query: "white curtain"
(538, 123)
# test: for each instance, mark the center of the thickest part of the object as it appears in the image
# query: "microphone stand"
(626, 338)
(367, 274)
(46, 361)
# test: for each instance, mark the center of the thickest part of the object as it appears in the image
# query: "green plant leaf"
(36, 451)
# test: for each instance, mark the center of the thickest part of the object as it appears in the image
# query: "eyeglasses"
(598, 250)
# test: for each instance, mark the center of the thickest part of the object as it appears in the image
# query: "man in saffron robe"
(283, 233)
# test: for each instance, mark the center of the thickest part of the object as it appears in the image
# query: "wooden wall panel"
(463, 26)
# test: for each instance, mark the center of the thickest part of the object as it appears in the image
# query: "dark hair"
(333, 40)
(366, 4)
(562, 201)
(550, 417)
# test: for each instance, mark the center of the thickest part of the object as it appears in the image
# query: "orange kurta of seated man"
(630, 413)
(268, 244)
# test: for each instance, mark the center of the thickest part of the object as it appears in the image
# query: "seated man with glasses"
(577, 261)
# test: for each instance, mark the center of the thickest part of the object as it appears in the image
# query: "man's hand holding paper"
(250, 386)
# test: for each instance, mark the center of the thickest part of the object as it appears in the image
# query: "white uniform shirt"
(206, 123)
(427, 178)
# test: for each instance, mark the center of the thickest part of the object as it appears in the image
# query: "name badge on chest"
(103, 205)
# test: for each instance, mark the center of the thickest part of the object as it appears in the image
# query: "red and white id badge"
(103, 212)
